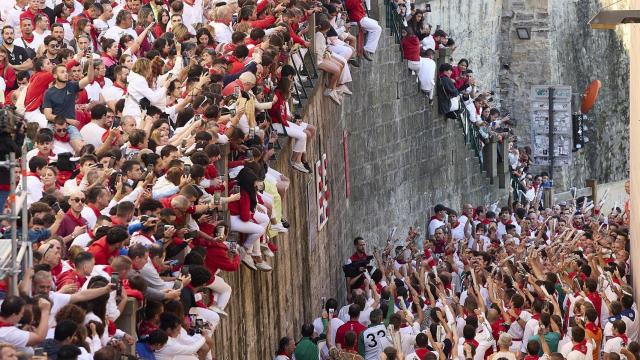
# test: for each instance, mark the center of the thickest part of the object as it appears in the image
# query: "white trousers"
(296, 132)
(373, 33)
(222, 291)
(36, 116)
(340, 48)
(253, 231)
(208, 315)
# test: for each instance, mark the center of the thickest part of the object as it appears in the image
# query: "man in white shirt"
(427, 73)
(221, 25)
(35, 188)
(124, 21)
(41, 29)
(579, 348)
(171, 324)
(12, 14)
(437, 220)
(619, 340)
(11, 311)
(103, 22)
(111, 94)
(93, 131)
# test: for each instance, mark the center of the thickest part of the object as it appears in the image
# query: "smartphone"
(185, 270)
(331, 311)
(233, 237)
(234, 18)
(250, 153)
(220, 230)
(116, 122)
(55, 207)
(99, 166)
(236, 189)
(187, 169)
(216, 198)
(173, 262)
(115, 279)
(252, 133)
(261, 186)
(237, 90)
(323, 300)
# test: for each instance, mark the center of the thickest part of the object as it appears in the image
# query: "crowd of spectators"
(150, 129)
(519, 282)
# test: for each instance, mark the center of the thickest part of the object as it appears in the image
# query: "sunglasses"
(63, 130)
(55, 45)
(78, 200)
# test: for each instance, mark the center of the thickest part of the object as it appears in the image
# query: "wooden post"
(634, 147)
(593, 184)
(127, 321)
(490, 156)
(503, 166)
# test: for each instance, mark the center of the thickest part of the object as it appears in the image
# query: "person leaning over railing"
(448, 101)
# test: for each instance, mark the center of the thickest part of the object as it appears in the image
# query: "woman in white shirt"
(139, 88)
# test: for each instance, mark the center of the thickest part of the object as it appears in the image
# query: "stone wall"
(403, 158)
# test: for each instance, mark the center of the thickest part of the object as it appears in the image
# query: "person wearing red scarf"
(286, 347)
(83, 263)
(578, 347)
(11, 313)
(353, 325)
(619, 340)
(72, 218)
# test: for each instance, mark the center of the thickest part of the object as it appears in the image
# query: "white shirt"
(434, 225)
(82, 240)
(92, 134)
(94, 89)
(529, 328)
(14, 336)
(427, 74)
(318, 326)
(34, 190)
(111, 93)
(116, 32)
(222, 33)
(174, 349)
(59, 301)
(428, 43)
(101, 26)
(13, 19)
(613, 346)
(60, 147)
(569, 354)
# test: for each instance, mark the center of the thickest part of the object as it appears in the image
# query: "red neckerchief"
(116, 84)
(34, 174)
(152, 263)
(108, 269)
(6, 324)
(78, 220)
(591, 327)
(358, 257)
(99, 80)
(56, 270)
(531, 357)
(283, 353)
(91, 234)
(517, 311)
(65, 139)
(96, 212)
(472, 342)
(455, 225)
(422, 352)
(189, 2)
(581, 346)
(29, 39)
(507, 223)
(535, 317)
(62, 21)
(79, 178)
(625, 339)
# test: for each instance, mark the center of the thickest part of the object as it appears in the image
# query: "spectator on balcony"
(357, 13)
(448, 101)
(434, 41)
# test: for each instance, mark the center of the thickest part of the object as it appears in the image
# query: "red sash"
(581, 346)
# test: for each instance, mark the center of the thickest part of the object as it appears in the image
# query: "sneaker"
(285, 223)
(335, 97)
(266, 251)
(354, 63)
(327, 92)
(367, 55)
(279, 228)
(344, 89)
(299, 167)
(306, 166)
(263, 266)
(218, 311)
(246, 258)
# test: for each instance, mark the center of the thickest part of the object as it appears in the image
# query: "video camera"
(357, 267)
